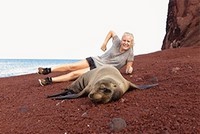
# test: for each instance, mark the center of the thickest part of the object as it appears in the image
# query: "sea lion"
(102, 85)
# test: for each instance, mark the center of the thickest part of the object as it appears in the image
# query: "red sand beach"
(170, 108)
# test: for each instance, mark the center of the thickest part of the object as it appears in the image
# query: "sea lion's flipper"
(66, 92)
(147, 86)
(142, 86)
(67, 96)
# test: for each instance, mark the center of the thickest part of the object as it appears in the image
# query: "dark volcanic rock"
(183, 24)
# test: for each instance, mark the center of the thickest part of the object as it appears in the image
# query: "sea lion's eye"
(105, 90)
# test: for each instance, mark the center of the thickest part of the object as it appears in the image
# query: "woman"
(119, 55)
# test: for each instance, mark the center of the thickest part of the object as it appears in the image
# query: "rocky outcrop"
(183, 24)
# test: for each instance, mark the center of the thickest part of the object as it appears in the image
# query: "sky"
(76, 29)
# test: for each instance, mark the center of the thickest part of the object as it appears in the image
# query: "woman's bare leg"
(70, 76)
(77, 69)
(71, 67)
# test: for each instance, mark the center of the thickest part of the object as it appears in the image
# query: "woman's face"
(126, 42)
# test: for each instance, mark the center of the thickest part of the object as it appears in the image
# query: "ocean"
(16, 67)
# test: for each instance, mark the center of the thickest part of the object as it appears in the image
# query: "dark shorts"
(91, 63)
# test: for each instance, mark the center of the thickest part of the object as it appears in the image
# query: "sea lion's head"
(105, 90)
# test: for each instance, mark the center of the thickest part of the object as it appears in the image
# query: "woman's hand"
(103, 47)
(129, 70)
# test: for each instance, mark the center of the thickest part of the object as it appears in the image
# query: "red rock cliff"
(183, 24)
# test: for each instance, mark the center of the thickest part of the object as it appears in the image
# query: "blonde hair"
(131, 35)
